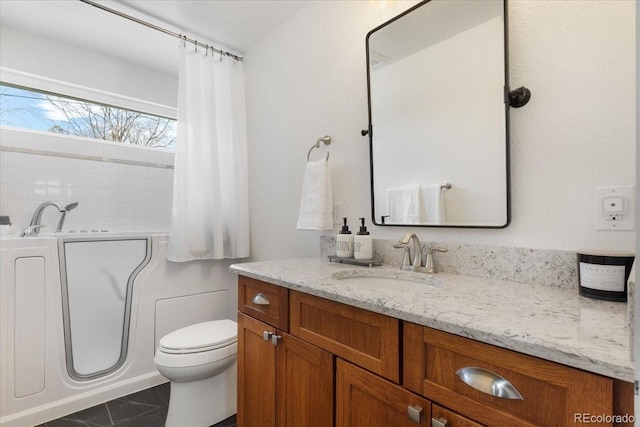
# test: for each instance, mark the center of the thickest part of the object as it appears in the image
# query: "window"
(38, 110)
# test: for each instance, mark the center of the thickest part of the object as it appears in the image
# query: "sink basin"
(388, 280)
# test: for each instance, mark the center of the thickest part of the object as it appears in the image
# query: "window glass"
(36, 110)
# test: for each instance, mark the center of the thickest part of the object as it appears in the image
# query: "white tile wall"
(111, 196)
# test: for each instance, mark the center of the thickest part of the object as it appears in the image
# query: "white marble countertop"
(548, 322)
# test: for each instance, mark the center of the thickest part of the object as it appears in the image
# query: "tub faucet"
(34, 226)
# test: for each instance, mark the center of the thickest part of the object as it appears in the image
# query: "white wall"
(44, 57)
(308, 78)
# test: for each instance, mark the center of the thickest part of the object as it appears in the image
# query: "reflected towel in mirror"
(411, 205)
(416, 204)
(432, 204)
(394, 205)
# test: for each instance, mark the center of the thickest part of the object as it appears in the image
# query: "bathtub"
(37, 382)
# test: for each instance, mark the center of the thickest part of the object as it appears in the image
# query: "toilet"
(200, 363)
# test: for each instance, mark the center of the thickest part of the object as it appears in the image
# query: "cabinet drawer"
(370, 340)
(552, 394)
(445, 417)
(264, 301)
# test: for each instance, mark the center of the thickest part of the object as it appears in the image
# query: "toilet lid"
(201, 337)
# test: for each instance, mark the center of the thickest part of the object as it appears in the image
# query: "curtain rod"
(163, 30)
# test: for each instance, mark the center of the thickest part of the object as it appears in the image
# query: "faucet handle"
(430, 266)
(433, 249)
(28, 232)
(406, 259)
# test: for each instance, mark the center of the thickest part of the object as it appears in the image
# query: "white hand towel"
(411, 204)
(433, 204)
(394, 205)
(316, 205)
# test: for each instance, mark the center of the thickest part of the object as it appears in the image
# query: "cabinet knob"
(260, 299)
(275, 339)
(439, 422)
(415, 413)
(266, 335)
(488, 382)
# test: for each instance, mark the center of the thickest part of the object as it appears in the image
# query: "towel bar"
(326, 139)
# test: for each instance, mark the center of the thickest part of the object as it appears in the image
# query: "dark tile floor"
(147, 408)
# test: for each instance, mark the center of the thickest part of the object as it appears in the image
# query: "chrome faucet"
(416, 264)
(34, 226)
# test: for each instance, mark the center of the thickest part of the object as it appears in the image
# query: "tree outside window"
(30, 109)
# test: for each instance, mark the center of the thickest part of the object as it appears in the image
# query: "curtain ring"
(220, 55)
(195, 43)
(184, 41)
(206, 51)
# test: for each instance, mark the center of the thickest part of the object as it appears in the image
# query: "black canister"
(604, 275)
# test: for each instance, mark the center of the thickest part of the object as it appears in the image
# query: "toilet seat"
(201, 337)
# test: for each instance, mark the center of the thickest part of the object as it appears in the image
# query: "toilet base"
(205, 402)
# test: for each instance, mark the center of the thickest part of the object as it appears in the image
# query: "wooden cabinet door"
(305, 384)
(288, 384)
(364, 399)
(256, 374)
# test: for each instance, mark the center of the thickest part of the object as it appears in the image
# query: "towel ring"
(326, 139)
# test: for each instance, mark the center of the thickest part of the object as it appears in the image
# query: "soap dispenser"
(344, 242)
(363, 243)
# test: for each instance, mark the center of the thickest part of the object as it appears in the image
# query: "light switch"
(615, 208)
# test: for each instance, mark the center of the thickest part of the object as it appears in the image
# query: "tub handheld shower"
(64, 211)
(35, 225)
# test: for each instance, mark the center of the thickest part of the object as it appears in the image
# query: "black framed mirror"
(438, 130)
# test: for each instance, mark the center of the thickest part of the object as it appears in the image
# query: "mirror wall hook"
(364, 132)
(519, 97)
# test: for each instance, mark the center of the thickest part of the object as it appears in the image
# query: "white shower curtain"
(210, 218)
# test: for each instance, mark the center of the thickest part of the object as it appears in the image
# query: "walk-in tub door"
(97, 285)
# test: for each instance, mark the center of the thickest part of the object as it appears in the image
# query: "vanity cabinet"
(308, 361)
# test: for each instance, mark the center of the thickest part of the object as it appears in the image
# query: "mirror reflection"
(437, 116)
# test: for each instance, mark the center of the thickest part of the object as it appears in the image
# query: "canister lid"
(606, 253)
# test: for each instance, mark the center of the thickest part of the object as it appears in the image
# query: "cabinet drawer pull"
(266, 335)
(415, 414)
(276, 339)
(260, 299)
(439, 422)
(488, 382)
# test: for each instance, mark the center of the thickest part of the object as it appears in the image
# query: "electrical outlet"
(614, 217)
(615, 208)
(337, 213)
